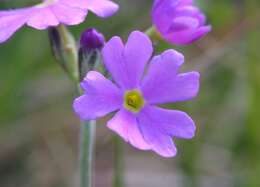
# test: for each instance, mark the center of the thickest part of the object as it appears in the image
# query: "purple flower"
(138, 120)
(179, 21)
(91, 39)
(52, 13)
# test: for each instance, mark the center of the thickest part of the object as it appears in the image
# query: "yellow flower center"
(133, 101)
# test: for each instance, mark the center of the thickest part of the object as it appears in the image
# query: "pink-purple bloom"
(179, 21)
(134, 96)
(52, 13)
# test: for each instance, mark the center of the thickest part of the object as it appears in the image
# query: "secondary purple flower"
(52, 13)
(179, 21)
(138, 120)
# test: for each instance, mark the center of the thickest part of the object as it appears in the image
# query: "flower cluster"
(140, 82)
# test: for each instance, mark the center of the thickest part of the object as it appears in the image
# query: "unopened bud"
(65, 50)
(91, 43)
(91, 39)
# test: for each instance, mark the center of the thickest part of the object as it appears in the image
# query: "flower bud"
(91, 39)
(91, 43)
(65, 50)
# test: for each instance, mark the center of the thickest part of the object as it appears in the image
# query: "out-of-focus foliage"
(38, 130)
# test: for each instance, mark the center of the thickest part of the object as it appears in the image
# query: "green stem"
(150, 31)
(86, 150)
(153, 34)
(87, 142)
(118, 163)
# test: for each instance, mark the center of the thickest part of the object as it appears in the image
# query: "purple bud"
(91, 39)
(91, 43)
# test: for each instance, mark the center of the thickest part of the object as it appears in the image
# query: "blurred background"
(39, 131)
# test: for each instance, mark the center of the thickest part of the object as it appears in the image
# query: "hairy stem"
(87, 142)
(118, 163)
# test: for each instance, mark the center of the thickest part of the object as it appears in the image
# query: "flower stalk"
(87, 144)
(118, 180)
(153, 34)
(88, 59)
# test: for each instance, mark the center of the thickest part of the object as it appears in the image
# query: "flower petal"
(42, 17)
(183, 23)
(191, 11)
(68, 15)
(171, 122)
(75, 3)
(102, 8)
(160, 141)
(188, 36)
(125, 125)
(162, 84)
(126, 64)
(10, 22)
(163, 12)
(186, 2)
(138, 51)
(113, 59)
(101, 97)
